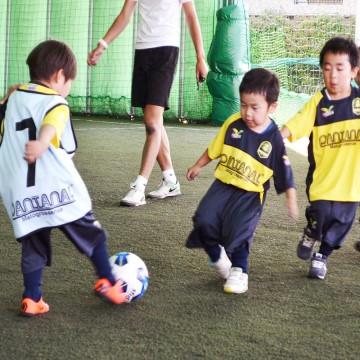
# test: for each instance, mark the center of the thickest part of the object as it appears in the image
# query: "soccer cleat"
(114, 293)
(318, 266)
(305, 247)
(134, 197)
(237, 282)
(223, 265)
(31, 308)
(165, 189)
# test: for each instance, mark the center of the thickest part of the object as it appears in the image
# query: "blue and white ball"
(132, 271)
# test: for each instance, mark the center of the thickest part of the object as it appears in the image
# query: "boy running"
(251, 151)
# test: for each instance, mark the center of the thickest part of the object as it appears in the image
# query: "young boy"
(39, 184)
(250, 150)
(331, 119)
(156, 56)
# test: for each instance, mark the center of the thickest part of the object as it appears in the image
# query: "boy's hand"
(33, 150)
(193, 172)
(11, 89)
(291, 204)
(293, 210)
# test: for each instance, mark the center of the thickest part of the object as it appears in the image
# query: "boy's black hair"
(261, 81)
(341, 45)
(49, 57)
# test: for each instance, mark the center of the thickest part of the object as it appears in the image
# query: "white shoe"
(223, 265)
(134, 197)
(237, 282)
(165, 189)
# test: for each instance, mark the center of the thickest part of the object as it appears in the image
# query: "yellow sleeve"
(57, 117)
(302, 123)
(215, 147)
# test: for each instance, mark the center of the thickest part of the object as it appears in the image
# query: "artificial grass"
(184, 314)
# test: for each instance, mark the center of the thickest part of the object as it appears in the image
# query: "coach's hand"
(94, 56)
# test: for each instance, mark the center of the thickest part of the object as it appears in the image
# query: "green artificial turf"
(184, 314)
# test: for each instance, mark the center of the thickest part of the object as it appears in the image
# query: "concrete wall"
(288, 7)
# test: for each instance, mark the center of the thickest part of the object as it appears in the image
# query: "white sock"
(140, 182)
(169, 176)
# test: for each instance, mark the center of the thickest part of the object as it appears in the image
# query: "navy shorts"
(85, 234)
(330, 221)
(153, 76)
(227, 216)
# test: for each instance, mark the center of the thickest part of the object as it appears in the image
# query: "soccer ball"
(132, 271)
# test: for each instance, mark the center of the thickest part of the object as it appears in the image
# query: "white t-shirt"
(51, 193)
(159, 23)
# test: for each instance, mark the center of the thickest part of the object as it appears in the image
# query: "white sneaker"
(237, 282)
(223, 265)
(134, 197)
(165, 189)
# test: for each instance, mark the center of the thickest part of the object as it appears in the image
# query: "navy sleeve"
(283, 174)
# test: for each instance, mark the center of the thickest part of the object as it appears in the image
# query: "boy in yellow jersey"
(39, 184)
(331, 120)
(251, 151)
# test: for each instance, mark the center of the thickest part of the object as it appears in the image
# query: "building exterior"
(303, 7)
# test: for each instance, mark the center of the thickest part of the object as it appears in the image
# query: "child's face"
(255, 111)
(337, 73)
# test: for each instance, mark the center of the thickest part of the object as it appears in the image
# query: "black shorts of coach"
(84, 233)
(153, 75)
(330, 221)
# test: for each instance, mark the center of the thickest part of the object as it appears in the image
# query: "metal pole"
(48, 20)
(357, 23)
(90, 45)
(134, 35)
(181, 69)
(7, 45)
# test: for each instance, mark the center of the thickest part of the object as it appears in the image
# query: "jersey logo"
(326, 112)
(236, 134)
(356, 106)
(264, 149)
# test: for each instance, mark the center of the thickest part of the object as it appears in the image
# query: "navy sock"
(32, 283)
(213, 251)
(325, 249)
(100, 259)
(239, 257)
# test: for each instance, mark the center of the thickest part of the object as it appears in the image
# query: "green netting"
(28, 24)
(3, 15)
(73, 17)
(289, 46)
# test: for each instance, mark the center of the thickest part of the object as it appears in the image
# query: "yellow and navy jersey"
(248, 160)
(333, 127)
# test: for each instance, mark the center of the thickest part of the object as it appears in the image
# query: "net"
(289, 46)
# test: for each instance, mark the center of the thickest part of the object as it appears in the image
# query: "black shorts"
(153, 75)
(330, 221)
(85, 233)
(227, 216)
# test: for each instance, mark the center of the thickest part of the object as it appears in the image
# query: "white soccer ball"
(132, 271)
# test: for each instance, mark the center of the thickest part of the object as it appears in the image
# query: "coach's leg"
(153, 119)
(169, 185)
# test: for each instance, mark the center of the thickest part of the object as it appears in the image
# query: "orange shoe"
(31, 308)
(114, 293)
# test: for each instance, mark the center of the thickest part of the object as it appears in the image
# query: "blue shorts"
(330, 221)
(153, 76)
(227, 216)
(84, 233)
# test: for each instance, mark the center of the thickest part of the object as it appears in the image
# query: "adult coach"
(156, 56)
